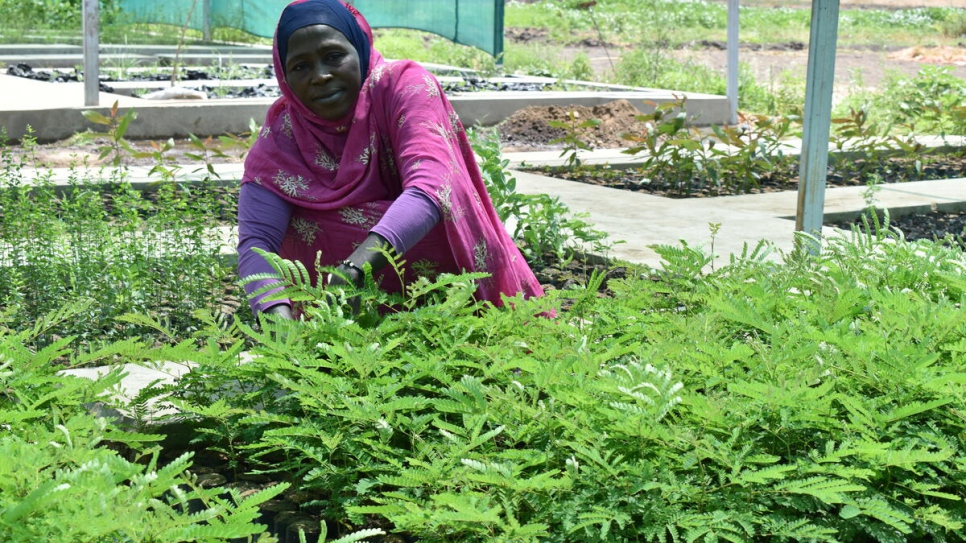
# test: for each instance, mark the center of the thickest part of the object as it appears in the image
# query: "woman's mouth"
(328, 98)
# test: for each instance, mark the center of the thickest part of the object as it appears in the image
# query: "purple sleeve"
(408, 219)
(262, 221)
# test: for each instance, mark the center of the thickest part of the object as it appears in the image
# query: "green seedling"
(574, 129)
(115, 125)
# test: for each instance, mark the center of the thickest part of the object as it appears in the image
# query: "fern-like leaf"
(825, 489)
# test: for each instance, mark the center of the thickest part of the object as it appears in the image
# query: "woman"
(360, 154)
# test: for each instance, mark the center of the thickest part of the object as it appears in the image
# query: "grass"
(624, 21)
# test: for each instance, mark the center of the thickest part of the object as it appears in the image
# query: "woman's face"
(322, 69)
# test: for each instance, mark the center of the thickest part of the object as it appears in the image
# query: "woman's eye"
(334, 57)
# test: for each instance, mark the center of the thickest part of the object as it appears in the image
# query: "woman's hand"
(348, 273)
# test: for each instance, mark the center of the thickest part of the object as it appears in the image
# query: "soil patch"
(537, 128)
(670, 182)
(948, 226)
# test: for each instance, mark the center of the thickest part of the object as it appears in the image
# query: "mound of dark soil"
(533, 128)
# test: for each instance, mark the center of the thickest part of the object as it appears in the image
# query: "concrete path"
(636, 221)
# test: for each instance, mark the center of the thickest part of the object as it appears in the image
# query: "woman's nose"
(321, 74)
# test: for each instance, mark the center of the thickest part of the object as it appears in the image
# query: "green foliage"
(59, 464)
(930, 102)
(732, 160)
(953, 24)
(778, 96)
(426, 47)
(694, 21)
(119, 148)
(754, 149)
(103, 240)
(572, 139)
(542, 225)
(115, 126)
(22, 17)
(757, 401)
(500, 183)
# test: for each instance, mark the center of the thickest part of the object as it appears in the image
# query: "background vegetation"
(641, 33)
(764, 397)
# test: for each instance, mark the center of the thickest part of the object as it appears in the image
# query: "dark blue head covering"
(322, 12)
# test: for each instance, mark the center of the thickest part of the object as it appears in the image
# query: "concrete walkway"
(636, 221)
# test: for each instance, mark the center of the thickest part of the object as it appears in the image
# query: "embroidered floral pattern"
(306, 229)
(357, 217)
(366, 155)
(443, 131)
(378, 74)
(451, 212)
(287, 125)
(480, 255)
(413, 89)
(431, 89)
(325, 161)
(454, 121)
(291, 185)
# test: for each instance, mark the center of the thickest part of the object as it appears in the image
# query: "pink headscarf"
(341, 176)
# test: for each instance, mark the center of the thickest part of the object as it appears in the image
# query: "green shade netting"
(477, 23)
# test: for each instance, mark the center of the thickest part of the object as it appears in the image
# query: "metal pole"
(818, 117)
(206, 14)
(733, 61)
(91, 46)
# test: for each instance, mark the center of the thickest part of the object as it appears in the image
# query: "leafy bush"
(930, 102)
(732, 159)
(542, 226)
(66, 475)
(759, 401)
(151, 253)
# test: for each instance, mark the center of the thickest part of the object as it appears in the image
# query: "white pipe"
(91, 46)
(733, 44)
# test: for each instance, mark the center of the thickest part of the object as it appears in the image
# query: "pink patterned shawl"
(341, 176)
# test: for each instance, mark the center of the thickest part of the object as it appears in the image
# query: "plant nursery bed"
(845, 173)
(245, 81)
